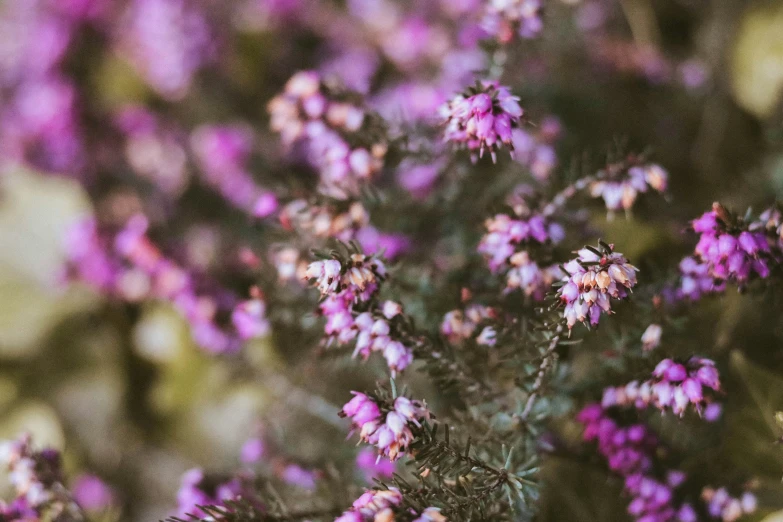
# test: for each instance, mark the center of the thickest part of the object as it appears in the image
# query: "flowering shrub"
(276, 209)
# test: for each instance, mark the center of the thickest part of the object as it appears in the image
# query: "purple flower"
(619, 185)
(727, 254)
(482, 119)
(592, 279)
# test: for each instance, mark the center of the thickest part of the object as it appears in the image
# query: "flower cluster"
(341, 139)
(359, 276)
(730, 253)
(722, 506)
(37, 482)
(356, 281)
(504, 19)
(629, 452)
(505, 234)
(482, 119)
(593, 279)
(374, 334)
(656, 495)
(131, 267)
(674, 386)
(380, 505)
(506, 243)
(222, 152)
(459, 325)
(390, 429)
(619, 185)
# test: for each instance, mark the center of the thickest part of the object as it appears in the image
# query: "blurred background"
(125, 392)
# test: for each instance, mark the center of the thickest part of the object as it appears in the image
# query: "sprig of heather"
(482, 118)
(619, 184)
(349, 285)
(130, 267)
(344, 141)
(36, 476)
(674, 386)
(592, 280)
(389, 425)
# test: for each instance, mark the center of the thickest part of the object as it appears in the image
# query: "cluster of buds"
(359, 276)
(505, 234)
(222, 152)
(343, 142)
(626, 448)
(731, 252)
(388, 428)
(374, 334)
(482, 119)
(356, 281)
(722, 506)
(505, 248)
(674, 386)
(620, 184)
(592, 279)
(324, 221)
(629, 451)
(37, 481)
(504, 19)
(459, 325)
(132, 268)
(535, 149)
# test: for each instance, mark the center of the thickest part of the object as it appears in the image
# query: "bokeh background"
(126, 394)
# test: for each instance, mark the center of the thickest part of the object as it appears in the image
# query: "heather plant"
(387, 258)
